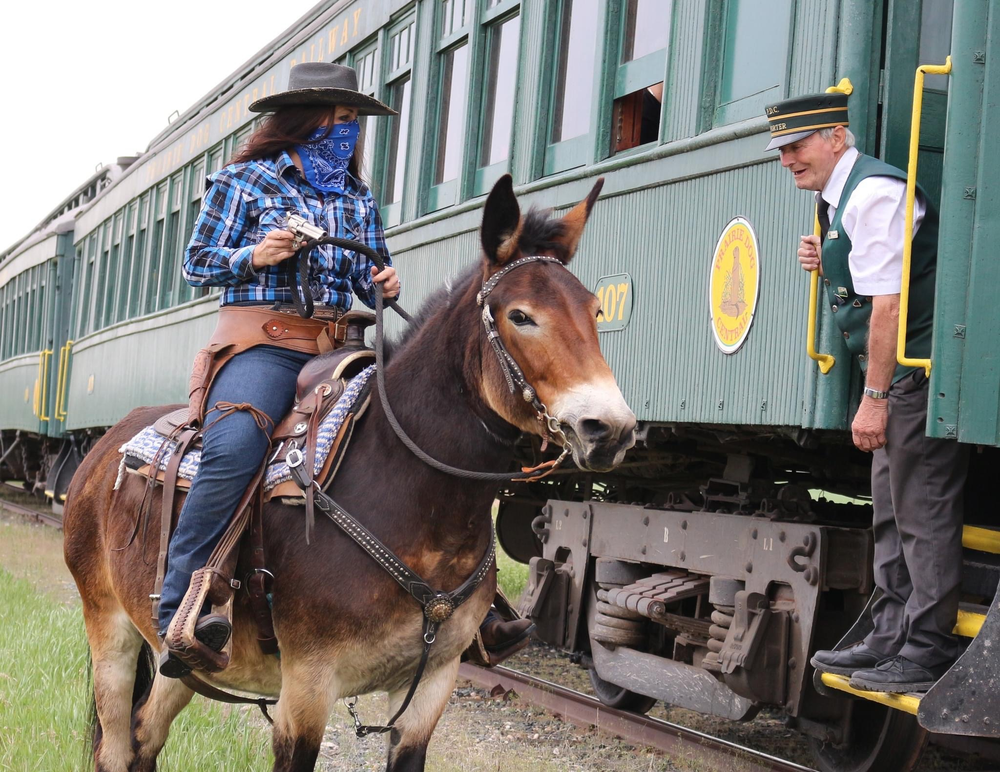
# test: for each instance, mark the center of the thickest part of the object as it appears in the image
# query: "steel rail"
(19, 509)
(587, 711)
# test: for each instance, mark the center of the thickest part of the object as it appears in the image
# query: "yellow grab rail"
(825, 361)
(43, 362)
(61, 383)
(64, 353)
(911, 192)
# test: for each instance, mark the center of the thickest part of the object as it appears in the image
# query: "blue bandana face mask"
(325, 160)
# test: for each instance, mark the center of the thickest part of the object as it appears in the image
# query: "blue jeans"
(233, 450)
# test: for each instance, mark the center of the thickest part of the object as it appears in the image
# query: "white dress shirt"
(874, 219)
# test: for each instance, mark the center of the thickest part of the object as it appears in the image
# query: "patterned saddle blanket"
(149, 446)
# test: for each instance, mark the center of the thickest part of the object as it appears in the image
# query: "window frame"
(447, 193)
(357, 56)
(392, 212)
(482, 178)
(557, 157)
(750, 105)
(159, 196)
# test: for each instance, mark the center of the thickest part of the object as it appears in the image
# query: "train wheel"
(619, 697)
(882, 740)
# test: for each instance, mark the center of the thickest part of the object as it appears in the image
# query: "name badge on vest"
(833, 235)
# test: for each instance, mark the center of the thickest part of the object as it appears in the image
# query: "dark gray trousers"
(917, 493)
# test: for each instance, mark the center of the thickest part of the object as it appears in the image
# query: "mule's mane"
(539, 235)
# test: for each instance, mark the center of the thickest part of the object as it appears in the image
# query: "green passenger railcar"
(705, 310)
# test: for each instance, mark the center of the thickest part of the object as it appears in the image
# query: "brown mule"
(343, 625)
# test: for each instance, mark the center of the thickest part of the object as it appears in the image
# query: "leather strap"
(257, 582)
(195, 684)
(184, 440)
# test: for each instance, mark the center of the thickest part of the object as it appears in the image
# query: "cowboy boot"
(501, 639)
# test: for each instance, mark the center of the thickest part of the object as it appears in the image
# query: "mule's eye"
(520, 318)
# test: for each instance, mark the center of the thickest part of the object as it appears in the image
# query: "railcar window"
(452, 87)
(502, 40)
(399, 55)
(935, 38)
(575, 68)
(197, 188)
(749, 80)
(366, 63)
(454, 15)
(455, 69)
(88, 299)
(640, 77)
(140, 273)
(4, 321)
(128, 254)
(156, 251)
(102, 273)
(22, 314)
(171, 249)
(39, 312)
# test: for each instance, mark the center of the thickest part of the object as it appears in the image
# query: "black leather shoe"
(212, 630)
(898, 675)
(846, 661)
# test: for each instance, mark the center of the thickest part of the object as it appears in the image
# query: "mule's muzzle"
(599, 444)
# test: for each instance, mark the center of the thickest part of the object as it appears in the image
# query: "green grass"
(45, 698)
(511, 575)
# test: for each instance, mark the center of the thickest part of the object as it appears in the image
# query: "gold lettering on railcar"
(734, 285)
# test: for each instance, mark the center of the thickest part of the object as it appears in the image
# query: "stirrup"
(182, 639)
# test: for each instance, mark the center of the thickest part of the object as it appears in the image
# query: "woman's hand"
(388, 279)
(276, 246)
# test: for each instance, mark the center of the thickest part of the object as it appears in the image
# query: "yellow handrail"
(43, 361)
(64, 353)
(35, 400)
(825, 361)
(911, 191)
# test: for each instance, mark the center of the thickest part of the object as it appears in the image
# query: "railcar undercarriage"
(706, 569)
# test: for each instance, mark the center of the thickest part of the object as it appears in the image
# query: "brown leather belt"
(243, 327)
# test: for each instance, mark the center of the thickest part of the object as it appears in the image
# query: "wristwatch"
(875, 394)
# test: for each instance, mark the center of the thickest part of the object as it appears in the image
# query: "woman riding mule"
(303, 161)
(343, 624)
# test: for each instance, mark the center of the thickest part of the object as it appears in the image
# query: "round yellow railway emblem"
(734, 285)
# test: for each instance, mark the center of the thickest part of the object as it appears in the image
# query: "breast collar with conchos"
(511, 371)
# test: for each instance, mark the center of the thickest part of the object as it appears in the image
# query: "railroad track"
(20, 509)
(583, 710)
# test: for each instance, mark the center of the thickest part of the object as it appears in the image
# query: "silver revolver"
(303, 230)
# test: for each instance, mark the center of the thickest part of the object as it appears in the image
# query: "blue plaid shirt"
(246, 200)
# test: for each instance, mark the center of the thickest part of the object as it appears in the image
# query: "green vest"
(852, 312)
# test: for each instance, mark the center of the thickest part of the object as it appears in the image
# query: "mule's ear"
(501, 227)
(574, 221)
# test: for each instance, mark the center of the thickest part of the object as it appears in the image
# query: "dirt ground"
(477, 733)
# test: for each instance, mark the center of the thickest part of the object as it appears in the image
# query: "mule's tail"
(145, 670)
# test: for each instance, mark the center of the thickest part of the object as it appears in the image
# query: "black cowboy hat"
(322, 83)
